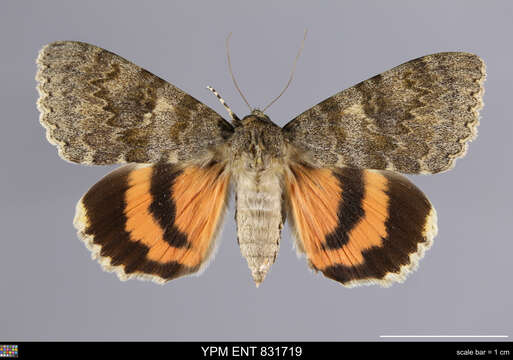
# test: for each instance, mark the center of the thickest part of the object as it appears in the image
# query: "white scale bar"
(443, 336)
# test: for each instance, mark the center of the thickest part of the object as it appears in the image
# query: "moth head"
(256, 115)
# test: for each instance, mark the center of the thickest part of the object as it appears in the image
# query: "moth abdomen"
(259, 219)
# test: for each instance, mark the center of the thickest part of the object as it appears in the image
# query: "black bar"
(262, 350)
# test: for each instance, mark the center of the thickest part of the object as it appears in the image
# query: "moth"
(334, 171)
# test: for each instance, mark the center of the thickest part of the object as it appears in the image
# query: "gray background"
(51, 289)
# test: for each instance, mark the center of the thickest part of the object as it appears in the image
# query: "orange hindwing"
(359, 226)
(156, 221)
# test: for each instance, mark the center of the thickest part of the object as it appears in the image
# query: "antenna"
(231, 72)
(291, 74)
(235, 118)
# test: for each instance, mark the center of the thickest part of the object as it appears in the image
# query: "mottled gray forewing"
(415, 118)
(99, 108)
